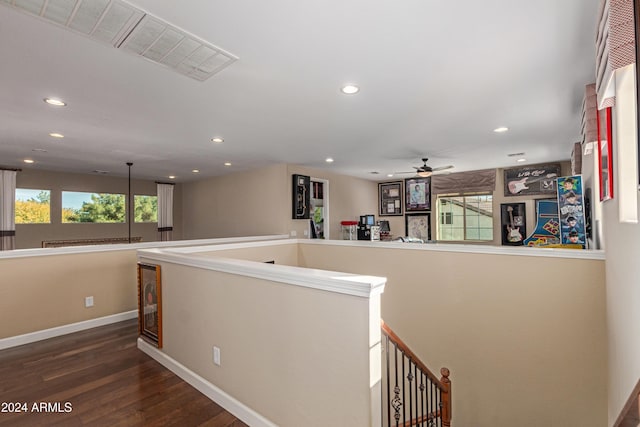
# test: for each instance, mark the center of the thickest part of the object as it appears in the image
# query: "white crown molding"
(331, 281)
(23, 253)
(466, 248)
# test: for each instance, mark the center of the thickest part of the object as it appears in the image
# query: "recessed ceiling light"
(195, 171)
(217, 140)
(329, 160)
(227, 163)
(56, 135)
(501, 129)
(172, 177)
(389, 175)
(29, 161)
(55, 102)
(350, 89)
(521, 160)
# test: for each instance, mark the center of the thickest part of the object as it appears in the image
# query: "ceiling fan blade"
(441, 168)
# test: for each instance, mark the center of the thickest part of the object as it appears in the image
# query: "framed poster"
(417, 193)
(390, 198)
(418, 226)
(605, 154)
(531, 180)
(514, 223)
(150, 303)
(571, 210)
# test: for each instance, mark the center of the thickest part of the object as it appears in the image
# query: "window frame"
(16, 206)
(134, 209)
(62, 207)
(464, 217)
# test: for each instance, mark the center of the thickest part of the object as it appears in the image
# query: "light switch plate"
(216, 355)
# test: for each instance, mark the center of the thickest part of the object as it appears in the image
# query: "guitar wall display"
(514, 226)
(531, 180)
(300, 197)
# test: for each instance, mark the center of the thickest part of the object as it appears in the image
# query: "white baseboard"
(65, 329)
(238, 409)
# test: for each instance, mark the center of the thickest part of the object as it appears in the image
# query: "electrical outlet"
(306, 232)
(293, 233)
(88, 302)
(216, 355)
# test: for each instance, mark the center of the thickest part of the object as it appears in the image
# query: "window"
(92, 207)
(465, 218)
(33, 206)
(146, 208)
(446, 218)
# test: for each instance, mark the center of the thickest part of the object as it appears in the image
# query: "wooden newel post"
(446, 398)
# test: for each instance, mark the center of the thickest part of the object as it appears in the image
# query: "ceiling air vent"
(124, 26)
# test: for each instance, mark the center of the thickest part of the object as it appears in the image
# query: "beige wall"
(622, 241)
(349, 198)
(524, 337)
(239, 204)
(287, 352)
(282, 255)
(259, 202)
(43, 292)
(32, 235)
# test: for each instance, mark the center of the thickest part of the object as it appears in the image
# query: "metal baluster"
(422, 393)
(433, 406)
(388, 382)
(404, 400)
(415, 386)
(396, 403)
(439, 398)
(410, 380)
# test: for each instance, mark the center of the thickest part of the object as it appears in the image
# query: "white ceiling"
(436, 77)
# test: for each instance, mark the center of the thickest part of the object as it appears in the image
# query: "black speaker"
(301, 197)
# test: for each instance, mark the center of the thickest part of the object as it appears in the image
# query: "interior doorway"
(319, 214)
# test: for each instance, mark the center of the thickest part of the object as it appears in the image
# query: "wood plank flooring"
(98, 377)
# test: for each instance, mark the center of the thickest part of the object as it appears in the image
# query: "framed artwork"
(514, 223)
(150, 303)
(301, 196)
(390, 198)
(417, 194)
(605, 162)
(418, 226)
(571, 211)
(531, 180)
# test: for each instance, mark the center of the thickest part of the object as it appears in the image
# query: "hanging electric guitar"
(516, 187)
(514, 234)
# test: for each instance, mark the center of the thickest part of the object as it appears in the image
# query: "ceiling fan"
(426, 170)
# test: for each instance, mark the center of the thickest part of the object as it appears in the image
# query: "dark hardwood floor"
(98, 377)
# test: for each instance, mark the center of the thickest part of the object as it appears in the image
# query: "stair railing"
(412, 395)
